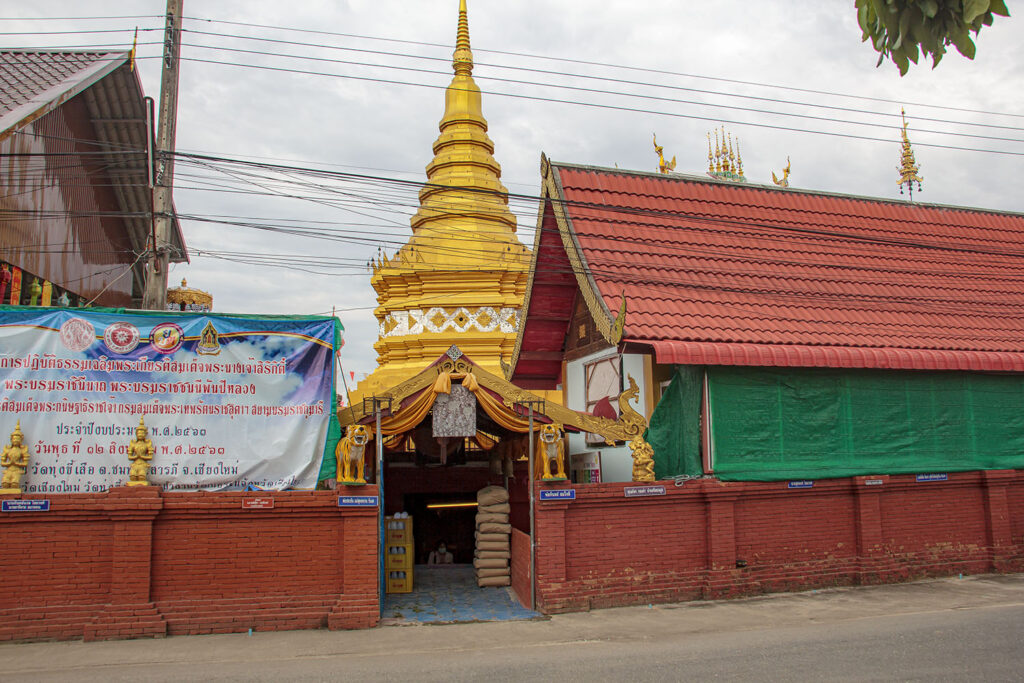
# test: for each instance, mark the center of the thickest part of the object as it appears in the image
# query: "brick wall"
(710, 539)
(519, 566)
(139, 562)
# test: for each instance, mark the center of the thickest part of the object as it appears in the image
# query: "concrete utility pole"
(155, 296)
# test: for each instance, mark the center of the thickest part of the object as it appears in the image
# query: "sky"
(788, 78)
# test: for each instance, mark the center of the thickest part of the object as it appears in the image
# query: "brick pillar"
(129, 613)
(997, 518)
(549, 525)
(721, 539)
(868, 523)
(359, 540)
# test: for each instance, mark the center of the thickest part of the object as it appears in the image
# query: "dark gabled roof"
(716, 272)
(35, 82)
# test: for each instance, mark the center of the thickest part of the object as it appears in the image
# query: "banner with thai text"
(229, 401)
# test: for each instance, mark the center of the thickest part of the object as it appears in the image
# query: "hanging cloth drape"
(411, 415)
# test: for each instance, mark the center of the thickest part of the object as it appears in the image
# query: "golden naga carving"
(620, 322)
(550, 446)
(140, 452)
(351, 454)
(14, 461)
(784, 180)
(663, 166)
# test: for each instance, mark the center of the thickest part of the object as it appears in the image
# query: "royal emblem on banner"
(209, 341)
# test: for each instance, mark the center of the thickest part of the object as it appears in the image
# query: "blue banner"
(229, 401)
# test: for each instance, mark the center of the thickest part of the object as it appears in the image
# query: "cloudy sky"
(361, 94)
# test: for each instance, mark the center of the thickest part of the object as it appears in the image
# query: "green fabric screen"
(797, 423)
(674, 430)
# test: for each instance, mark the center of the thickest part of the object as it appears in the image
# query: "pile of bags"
(490, 560)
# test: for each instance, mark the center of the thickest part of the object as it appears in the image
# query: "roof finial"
(462, 60)
(663, 166)
(784, 180)
(908, 167)
(725, 162)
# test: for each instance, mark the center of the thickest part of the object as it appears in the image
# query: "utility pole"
(155, 295)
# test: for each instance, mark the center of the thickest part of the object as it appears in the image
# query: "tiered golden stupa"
(462, 276)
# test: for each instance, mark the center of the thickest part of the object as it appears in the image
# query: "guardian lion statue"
(351, 454)
(550, 446)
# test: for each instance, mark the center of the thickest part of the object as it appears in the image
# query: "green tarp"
(795, 423)
(674, 430)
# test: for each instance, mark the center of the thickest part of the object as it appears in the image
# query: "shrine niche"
(471, 407)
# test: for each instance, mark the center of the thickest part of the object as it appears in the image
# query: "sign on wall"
(229, 401)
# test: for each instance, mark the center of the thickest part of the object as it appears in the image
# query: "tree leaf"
(973, 9)
(928, 8)
(998, 7)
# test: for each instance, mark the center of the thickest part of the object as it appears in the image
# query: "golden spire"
(724, 161)
(462, 59)
(908, 167)
(462, 275)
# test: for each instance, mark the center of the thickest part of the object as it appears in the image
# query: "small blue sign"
(932, 477)
(802, 484)
(25, 506)
(641, 491)
(358, 501)
(558, 494)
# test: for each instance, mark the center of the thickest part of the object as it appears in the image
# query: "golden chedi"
(461, 277)
(185, 298)
(14, 460)
(140, 452)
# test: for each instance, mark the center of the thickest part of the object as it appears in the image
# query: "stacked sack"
(490, 561)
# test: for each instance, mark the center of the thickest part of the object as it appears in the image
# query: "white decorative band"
(440, 319)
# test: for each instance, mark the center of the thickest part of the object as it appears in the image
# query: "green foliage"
(903, 30)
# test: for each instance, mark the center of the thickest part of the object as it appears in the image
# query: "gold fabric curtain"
(411, 415)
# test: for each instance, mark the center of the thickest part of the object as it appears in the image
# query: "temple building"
(461, 276)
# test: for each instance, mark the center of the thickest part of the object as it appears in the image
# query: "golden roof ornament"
(784, 180)
(462, 58)
(724, 162)
(663, 166)
(185, 298)
(908, 167)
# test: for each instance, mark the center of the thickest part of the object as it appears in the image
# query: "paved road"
(948, 629)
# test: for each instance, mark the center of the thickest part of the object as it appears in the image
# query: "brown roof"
(31, 80)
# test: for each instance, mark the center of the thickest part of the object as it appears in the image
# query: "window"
(603, 386)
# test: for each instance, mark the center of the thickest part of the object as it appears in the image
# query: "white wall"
(616, 461)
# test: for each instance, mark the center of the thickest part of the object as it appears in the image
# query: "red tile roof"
(725, 273)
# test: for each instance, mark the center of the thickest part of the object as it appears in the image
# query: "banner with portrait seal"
(230, 401)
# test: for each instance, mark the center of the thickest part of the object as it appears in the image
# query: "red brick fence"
(709, 539)
(139, 562)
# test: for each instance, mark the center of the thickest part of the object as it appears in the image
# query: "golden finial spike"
(718, 154)
(462, 60)
(739, 159)
(908, 166)
(711, 157)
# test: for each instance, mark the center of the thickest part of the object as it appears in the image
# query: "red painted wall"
(138, 561)
(710, 539)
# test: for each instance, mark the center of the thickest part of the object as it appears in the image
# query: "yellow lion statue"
(550, 446)
(351, 453)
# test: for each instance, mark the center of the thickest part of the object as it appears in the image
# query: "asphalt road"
(948, 630)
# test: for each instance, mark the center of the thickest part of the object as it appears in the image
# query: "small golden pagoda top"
(908, 167)
(723, 162)
(185, 298)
